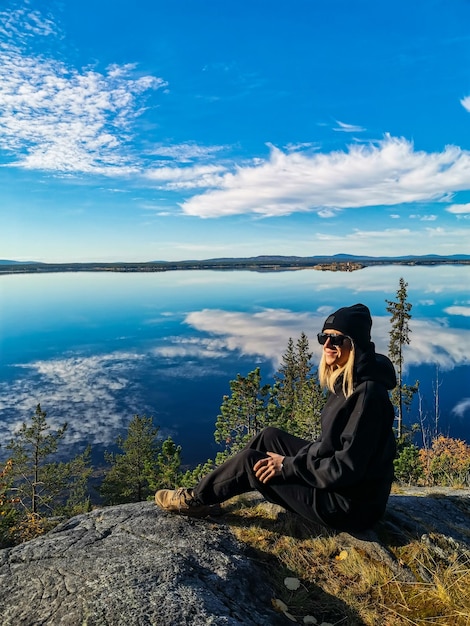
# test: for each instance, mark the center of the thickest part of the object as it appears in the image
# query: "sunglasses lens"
(335, 340)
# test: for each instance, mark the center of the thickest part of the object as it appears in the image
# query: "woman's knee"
(248, 457)
(269, 436)
(266, 440)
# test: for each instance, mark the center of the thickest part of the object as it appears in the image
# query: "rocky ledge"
(134, 565)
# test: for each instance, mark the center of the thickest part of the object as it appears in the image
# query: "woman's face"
(336, 355)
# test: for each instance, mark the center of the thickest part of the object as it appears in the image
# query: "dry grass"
(344, 585)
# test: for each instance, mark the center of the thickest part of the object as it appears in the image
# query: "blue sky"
(150, 130)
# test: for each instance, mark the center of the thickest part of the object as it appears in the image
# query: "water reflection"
(266, 333)
(96, 349)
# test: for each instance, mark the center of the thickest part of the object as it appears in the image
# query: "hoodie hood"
(376, 367)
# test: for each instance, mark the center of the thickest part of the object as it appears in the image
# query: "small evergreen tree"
(72, 484)
(7, 509)
(408, 466)
(400, 310)
(34, 478)
(244, 413)
(297, 392)
(191, 477)
(286, 377)
(131, 473)
(307, 408)
(168, 465)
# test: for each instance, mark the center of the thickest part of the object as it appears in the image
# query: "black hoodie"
(351, 464)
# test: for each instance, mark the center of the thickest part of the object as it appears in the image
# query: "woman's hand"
(265, 469)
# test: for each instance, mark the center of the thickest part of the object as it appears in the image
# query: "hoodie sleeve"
(347, 464)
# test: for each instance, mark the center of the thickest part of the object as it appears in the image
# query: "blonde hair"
(328, 375)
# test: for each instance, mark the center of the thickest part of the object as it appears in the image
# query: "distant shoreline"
(336, 263)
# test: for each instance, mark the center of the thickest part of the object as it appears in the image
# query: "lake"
(94, 349)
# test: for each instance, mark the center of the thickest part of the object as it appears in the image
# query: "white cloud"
(186, 152)
(94, 392)
(461, 407)
(59, 118)
(295, 147)
(423, 218)
(263, 334)
(465, 102)
(188, 347)
(459, 209)
(458, 310)
(266, 333)
(186, 177)
(98, 395)
(390, 234)
(22, 23)
(431, 240)
(434, 343)
(327, 213)
(348, 128)
(388, 173)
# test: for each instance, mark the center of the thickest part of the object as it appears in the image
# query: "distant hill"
(6, 262)
(343, 258)
(262, 263)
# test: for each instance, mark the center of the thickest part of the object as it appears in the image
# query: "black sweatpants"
(236, 476)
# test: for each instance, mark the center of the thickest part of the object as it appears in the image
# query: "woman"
(341, 480)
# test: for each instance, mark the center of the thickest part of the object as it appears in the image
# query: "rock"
(438, 510)
(133, 565)
(438, 516)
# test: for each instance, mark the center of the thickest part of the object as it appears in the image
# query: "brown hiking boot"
(181, 501)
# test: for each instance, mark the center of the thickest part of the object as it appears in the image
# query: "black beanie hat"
(354, 321)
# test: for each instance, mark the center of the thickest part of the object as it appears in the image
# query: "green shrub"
(408, 466)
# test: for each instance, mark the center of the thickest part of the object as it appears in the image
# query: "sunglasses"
(335, 340)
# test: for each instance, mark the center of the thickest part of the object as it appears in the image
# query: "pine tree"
(70, 481)
(400, 310)
(286, 377)
(191, 477)
(7, 510)
(244, 413)
(297, 393)
(34, 480)
(131, 473)
(169, 463)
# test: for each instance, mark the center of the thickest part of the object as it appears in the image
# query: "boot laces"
(184, 495)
